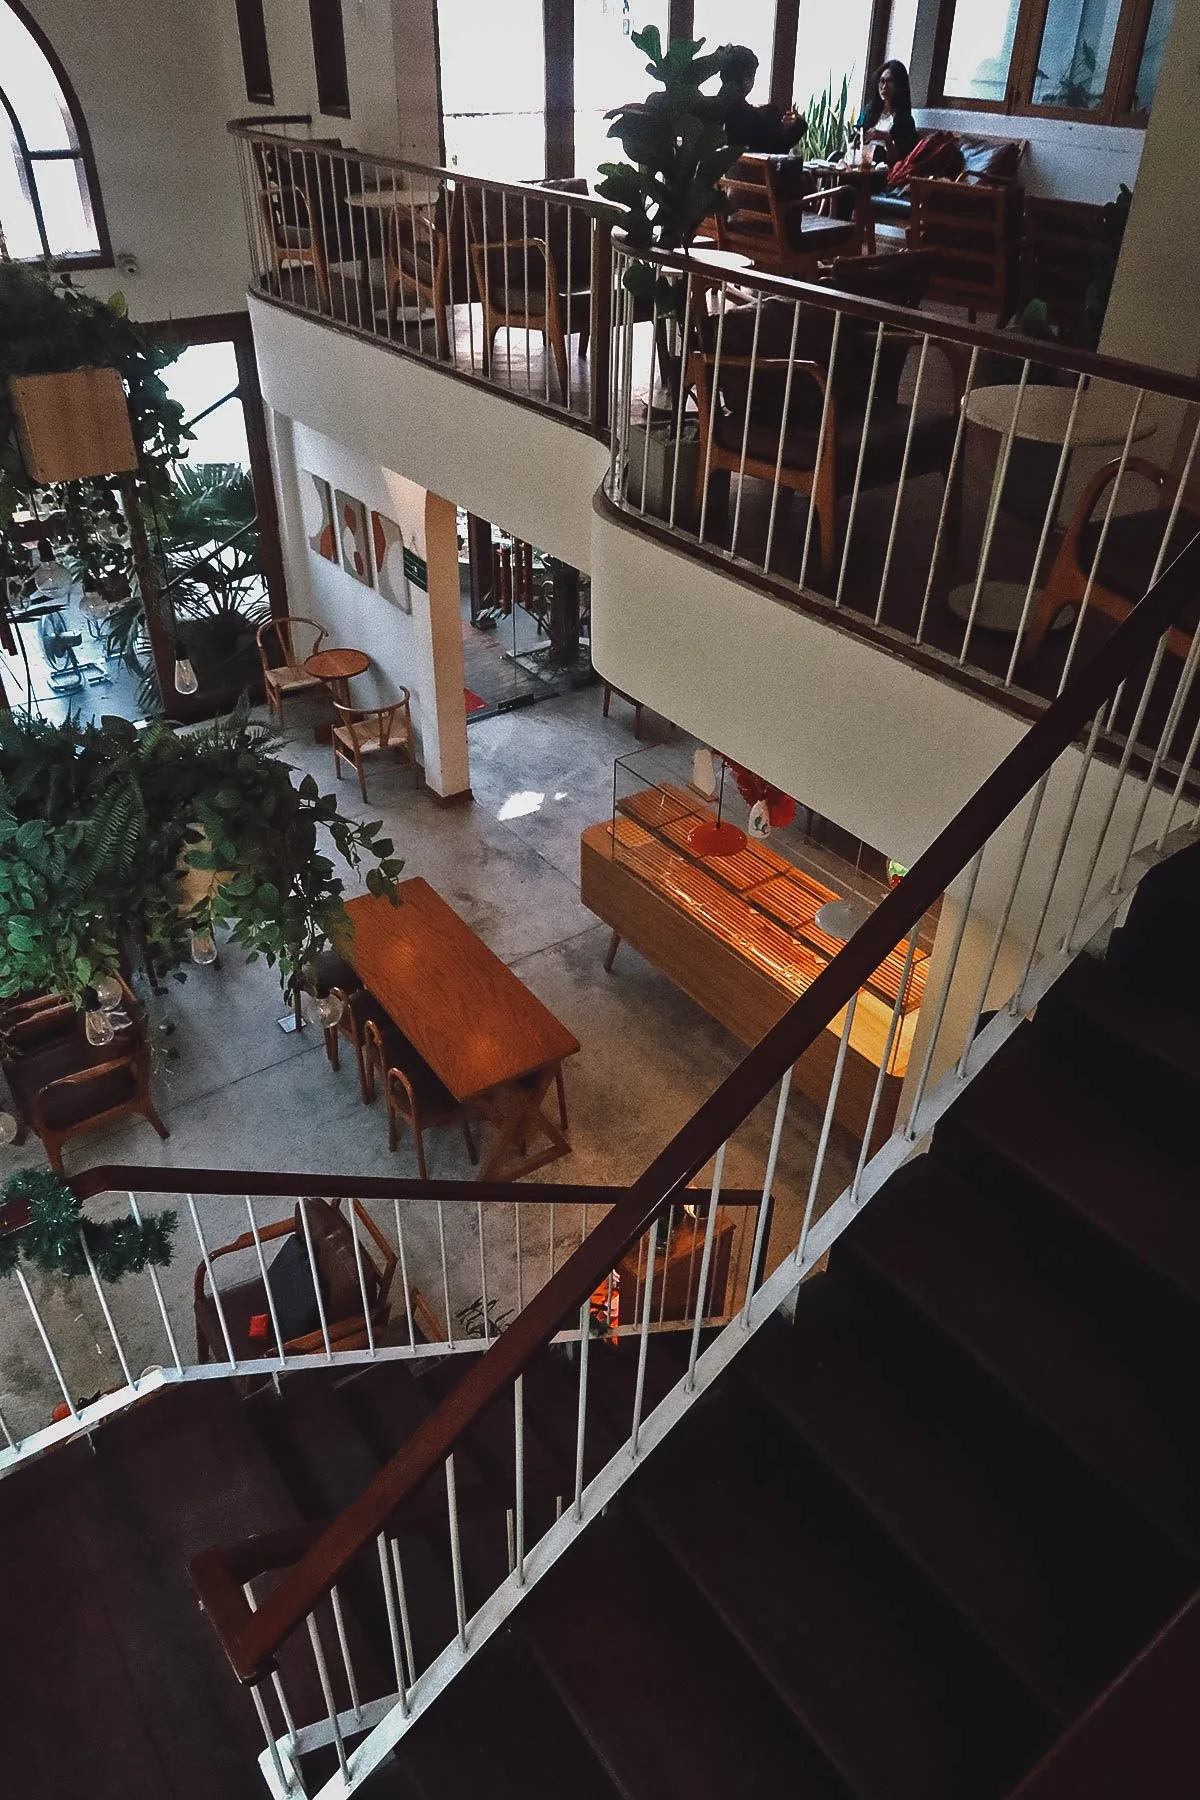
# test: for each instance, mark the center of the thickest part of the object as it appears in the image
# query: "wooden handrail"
(1009, 344)
(250, 1639)
(139, 1179)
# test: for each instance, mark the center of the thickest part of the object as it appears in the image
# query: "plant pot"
(653, 454)
(73, 424)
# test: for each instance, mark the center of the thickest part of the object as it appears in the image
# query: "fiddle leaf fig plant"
(676, 148)
(117, 845)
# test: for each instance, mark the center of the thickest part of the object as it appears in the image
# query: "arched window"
(49, 198)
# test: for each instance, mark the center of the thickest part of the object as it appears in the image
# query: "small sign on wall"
(417, 569)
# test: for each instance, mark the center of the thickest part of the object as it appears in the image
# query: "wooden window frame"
(327, 27)
(82, 155)
(1116, 104)
(256, 56)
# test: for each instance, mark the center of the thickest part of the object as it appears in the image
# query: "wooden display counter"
(738, 935)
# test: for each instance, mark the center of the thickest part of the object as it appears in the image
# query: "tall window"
(607, 70)
(493, 69)
(329, 57)
(256, 63)
(832, 42)
(1091, 59)
(49, 200)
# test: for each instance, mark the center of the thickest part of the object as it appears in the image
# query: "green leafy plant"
(828, 122)
(120, 844)
(49, 1231)
(676, 150)
(1077, 84)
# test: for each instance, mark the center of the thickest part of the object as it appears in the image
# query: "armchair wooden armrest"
(1104, 477)
(281, 1228)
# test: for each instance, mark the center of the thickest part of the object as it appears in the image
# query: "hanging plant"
(96, 823)
(47, 1229)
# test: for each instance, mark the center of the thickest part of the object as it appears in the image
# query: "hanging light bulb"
(8, 1128)
(98, 1025)
(323, 1011)
(109, 992)
(185, 675)
(204, 948)
(49, 576)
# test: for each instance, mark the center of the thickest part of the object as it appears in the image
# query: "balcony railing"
(505, 283)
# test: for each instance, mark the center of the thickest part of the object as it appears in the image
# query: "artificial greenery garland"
(54, 1238)
(98, 823)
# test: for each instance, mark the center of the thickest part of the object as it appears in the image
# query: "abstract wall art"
(352, 537)
(316, 508)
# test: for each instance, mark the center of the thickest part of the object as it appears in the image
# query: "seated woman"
(886, 121)
(762, 128)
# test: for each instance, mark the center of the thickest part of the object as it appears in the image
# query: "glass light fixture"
(8, 1128)
(109, 992)
(842, 918)
(323, 1011)
(185, 676)
(49, 576)
(204, 948)
(98, 1026)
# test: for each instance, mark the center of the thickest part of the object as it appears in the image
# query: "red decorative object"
(260, 1328)
(716, 837)
(781, 808)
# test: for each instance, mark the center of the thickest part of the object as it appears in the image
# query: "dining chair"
(1129, 545)
(283, 645)
(781, 218)
(289, 1297)
(359, 1009)
(520, 269)
(973, 227)
(420, 246)
(412, 1093)
(360, 732)
(67, 1087)
(291, 216)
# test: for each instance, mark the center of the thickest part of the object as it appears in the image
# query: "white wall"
(421, 650)
(150, 77)
(1067, 159)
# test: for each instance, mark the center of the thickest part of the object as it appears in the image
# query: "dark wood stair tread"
(1160, 1026)
(1027, 1109)
(662, 1694)
(1015, 1536)
(951, 1250)
(892, 1689)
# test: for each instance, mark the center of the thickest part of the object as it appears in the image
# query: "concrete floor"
(239, 1093)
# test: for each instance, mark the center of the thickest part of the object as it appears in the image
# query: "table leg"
(518, 1113)
(323, 732)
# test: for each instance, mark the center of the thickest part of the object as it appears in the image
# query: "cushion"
(936, 154)
(333, 1247)
(984, 156)
(292, 1288)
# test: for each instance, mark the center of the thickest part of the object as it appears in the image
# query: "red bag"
(937, 154)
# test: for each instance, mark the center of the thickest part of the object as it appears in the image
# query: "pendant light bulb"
(185, 675)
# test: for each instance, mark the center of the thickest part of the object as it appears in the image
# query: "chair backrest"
(1061, 252)
(971, 226)
(337, 1265)
(902, 278)
(751, 227)
(284, 200)
(286, 641)
(380, 718)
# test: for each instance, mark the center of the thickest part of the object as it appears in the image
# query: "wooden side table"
(335, 668)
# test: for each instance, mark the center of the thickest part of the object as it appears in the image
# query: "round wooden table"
(335, 668)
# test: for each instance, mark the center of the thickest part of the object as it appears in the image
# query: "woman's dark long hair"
(902, 104)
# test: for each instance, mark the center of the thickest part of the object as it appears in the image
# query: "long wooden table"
(491, 1041)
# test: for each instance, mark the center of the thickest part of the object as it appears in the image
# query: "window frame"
(82, 155)
(1116, 104)
(327, 29)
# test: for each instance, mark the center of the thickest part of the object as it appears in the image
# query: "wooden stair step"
(957, 1256)
(886, 1681)
(1159, 1026)
(1026, 1108)
(667, 1702)
(1012, 1532)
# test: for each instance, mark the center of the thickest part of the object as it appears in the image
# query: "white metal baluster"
(553, 1237)
(483, 1290)
(910, 1129)
(783, 426)
(858, 467)
(470, 305)
(714, 1197)
(644, 1345)
(46, 1344)
(714, 402)
(568, 214)
(262, 1269)
(276, 1678)
(1160, 559)
(753, 370)
(389, 1600)
(328, 164)
(546, 356)
(585, 1340)
(506, 253)
(156, 1284)
(649, 402)
(441, 1219)
(407, 1291)
(520, 1264)
(826, 1127)
(1114, 490)
(1016, 1004)
(1002, 923)
(104, 1308)
(327, 1690)
(947, 493)
(762, 1223)
(823, 451)
(519, 1474)
(993, 511)
(625, 411)
(212, 1279)
(295, 197)
(908, 438)
(312, 1263)
(11, 1441)
(402, 1597)
(420, 240)
(460, 1602)
(484, 196)
(402, 297)
(389, 235)
(616, 428)
(362, 1279)
(1060, 475)
(662, 1298)
(525, 265)
(343, 1645)
(1184, 767)
(260, 1707)
(894, 1024)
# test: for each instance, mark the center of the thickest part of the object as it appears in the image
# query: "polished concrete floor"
(238, 1093)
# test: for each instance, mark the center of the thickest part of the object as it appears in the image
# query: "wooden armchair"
(781, 219)
(360, 732)
(419, 246)
(355, 1281)
(289, 208)
(283, 645)
(69, 1088)
(33, 1021)
(972, 226)
(1061, 251)
(1132, 545)
(519, 261)
(412, 1093)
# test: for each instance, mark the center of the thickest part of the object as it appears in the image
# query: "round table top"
(1102, 417)
(721, 259)
(399, 198)
(336, 665)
